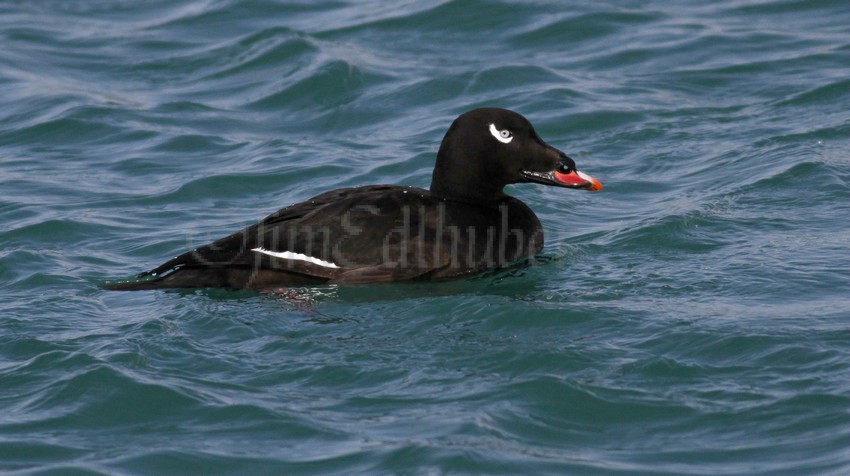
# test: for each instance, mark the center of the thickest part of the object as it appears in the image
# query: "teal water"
(692, 318)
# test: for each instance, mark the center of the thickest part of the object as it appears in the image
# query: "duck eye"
(504, 136)
(564, 168)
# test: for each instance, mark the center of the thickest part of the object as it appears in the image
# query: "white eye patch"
(504, 136)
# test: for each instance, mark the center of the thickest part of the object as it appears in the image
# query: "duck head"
(486, 149)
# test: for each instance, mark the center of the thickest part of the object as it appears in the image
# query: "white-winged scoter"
(464, 224)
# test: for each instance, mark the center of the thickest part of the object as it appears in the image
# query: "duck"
(462, 225)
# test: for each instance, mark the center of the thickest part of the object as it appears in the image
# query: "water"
(692, 318)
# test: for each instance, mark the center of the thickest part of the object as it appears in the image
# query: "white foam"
(296, 256)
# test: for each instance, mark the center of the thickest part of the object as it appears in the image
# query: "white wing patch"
(296, 256)
(504, 136)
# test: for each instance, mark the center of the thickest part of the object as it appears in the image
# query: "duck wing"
(355, 235)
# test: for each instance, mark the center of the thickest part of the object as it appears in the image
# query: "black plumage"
(463, 225)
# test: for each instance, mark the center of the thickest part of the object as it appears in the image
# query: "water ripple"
(690, 319)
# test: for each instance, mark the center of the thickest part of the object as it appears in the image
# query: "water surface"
(692, 318)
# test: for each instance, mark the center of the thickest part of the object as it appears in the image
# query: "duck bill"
(571, 179)
(577, 179)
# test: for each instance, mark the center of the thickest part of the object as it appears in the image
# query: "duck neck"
(462, 180)
(462, 191)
